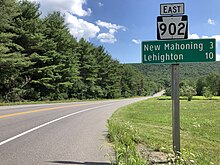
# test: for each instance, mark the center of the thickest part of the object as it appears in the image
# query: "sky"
(121, 25)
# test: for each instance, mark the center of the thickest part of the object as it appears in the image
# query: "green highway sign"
(179, 51)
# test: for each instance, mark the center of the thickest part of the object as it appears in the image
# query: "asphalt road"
(68, 133)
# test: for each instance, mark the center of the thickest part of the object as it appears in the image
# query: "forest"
(201, 79)
(41, 60)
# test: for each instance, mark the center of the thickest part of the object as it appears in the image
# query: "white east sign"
(171, 8)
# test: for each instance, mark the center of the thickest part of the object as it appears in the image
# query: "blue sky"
(120, 25)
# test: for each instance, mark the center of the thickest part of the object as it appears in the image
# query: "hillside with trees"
(41, 60)
(190, 71)
(196, 78)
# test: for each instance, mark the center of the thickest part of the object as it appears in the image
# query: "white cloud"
(73, 9)
(193, 36)
(80, 28)
(136, 41)
(110, 25)
(73, 6)
(196, 36)
(217, 37)
(217, 57)
(112, 29)
(107, 38)
(100, 4)
(211, 21)
(78, 10)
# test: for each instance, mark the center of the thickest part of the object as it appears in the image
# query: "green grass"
(200, 127)
(124, 137)
(193, 98)
(37, 102)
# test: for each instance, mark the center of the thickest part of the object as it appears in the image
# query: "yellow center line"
(38, 110)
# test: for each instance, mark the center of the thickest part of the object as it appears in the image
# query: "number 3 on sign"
(211, 45)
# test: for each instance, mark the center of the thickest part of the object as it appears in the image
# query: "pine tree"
(12, 61)
(107, 74)
(29, 28)
(88, 70)
(64, 57)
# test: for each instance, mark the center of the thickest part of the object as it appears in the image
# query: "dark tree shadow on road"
(84, 163)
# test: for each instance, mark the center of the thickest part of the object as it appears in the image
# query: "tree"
(213, 81)
(187, 90)
(132, 82)
(207, 92)
(88, 69)
(63, 57)
(200, 84)
(12, 59)
(29, 28)
(109, 75)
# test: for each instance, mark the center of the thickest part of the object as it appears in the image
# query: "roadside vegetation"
(193, 98)
(150, 123)
(41, 61)
(198, 79)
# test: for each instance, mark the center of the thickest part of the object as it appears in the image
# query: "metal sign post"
(175, 108)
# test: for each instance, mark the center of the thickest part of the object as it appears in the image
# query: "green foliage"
(194, 98)
(133, 82)
(8, 11)
(186, 157)
(12, 59)
(202, 74)
(200, 123)
(209, 85)
(186, 89)
(41, 60)
(207, 92)
(124, 136)
(160, 73)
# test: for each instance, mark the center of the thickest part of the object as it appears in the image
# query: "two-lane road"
(68, 133)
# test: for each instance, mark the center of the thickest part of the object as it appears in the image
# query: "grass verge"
(193, 98)
(124, 137)
(37, 102)
(152, 119)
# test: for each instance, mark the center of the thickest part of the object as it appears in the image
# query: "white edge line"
(50, 122)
